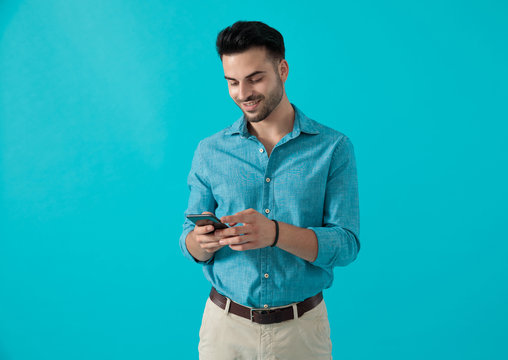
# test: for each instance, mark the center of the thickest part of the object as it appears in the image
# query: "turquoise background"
(103, 103)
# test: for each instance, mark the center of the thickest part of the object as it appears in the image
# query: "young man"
(287, 187)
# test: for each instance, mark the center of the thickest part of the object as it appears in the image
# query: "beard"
(270, 103)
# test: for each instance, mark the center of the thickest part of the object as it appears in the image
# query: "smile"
(251, 105)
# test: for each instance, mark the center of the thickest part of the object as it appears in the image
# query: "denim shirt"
(313, 184)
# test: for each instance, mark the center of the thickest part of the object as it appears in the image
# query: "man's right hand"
(201, 242)
(205, 237)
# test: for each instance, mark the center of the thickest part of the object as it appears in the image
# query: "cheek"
(232, 93)
(263, 89)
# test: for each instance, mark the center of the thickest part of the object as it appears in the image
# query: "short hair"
(243, 35)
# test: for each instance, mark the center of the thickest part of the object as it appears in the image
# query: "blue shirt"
(313, 184)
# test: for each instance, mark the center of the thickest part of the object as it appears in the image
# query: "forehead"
(239, 65)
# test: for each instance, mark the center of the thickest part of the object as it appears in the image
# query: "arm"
(194, 241)
(338, 238)
(298, 241)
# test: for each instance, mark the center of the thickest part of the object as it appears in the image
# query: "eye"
(233, 83)
(253, 81)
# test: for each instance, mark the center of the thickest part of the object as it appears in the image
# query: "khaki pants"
(225, 336)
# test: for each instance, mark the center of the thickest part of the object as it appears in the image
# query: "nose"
(244, 91)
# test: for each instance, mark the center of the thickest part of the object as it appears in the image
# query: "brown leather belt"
(266, 316)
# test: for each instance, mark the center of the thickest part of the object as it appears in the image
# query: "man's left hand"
(256, 232)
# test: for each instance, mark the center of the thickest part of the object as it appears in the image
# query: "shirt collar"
(302, 124)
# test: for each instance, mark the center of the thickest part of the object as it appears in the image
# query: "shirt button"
(267, 211)
(265, 306)
(261, 150)
(267, 179)
(267, 276)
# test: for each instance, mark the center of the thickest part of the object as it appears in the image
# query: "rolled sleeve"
(338, 238)
(200, 199)
(336, 246)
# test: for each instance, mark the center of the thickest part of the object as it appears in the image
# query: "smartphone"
(206, 219)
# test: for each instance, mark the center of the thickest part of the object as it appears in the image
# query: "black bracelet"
(276, 233)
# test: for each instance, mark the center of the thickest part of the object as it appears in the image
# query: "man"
(287, 187)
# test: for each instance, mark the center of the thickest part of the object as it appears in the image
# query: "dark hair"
(243, 35)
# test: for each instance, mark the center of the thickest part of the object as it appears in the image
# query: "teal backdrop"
(102, 104)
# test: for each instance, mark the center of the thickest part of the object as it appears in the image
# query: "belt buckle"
(259, 311)
(252, 313)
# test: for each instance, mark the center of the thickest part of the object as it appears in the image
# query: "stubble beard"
(272, 101)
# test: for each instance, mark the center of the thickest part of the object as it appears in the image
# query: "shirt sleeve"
(200, 199)
(338, 238)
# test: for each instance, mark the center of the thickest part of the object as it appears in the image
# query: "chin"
(253, 119)
(260, 115)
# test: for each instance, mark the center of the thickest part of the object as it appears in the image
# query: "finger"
(240, 217)
(208, 213)
(230, 219)
(213, 249)
(202, 239)
(243, 247)
(199, 230)
(210, 246)
(235, 240)
(232, 231)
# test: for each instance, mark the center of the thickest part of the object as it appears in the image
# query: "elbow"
(337, 246)
(349, 249)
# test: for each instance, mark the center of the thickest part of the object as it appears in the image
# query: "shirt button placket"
(265, 254)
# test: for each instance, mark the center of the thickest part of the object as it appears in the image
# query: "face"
(255, 83)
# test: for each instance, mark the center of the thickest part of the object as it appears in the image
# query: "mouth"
(251, 105)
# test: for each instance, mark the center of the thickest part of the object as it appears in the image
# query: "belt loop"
(295, 311)
(228, 304)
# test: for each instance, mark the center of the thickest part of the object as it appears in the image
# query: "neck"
(277, 124)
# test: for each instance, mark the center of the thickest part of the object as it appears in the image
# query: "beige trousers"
(225, 336)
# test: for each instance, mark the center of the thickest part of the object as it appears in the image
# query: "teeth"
(251, 103)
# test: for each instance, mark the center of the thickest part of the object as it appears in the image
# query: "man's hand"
(256, 232)
(206, 238)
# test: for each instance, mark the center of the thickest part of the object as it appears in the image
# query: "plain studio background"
(103, 103)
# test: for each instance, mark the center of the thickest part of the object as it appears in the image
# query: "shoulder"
(332, 141)
(220, 138)
(326, 134)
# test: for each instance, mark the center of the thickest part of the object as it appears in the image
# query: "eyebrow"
(248, 76)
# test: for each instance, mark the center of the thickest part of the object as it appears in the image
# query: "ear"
(283, 70)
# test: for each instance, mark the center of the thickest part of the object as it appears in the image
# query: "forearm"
(195, 249)
(298, 241)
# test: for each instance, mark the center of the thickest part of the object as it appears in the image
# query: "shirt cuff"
(186, 252)
(336, 246)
